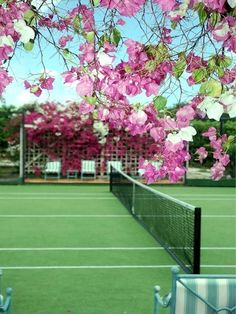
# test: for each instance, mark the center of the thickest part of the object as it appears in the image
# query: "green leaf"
(179, 66)
(2, 1)
(29, 46)
(95, 3)
(91, 99)
(199, 75)
(115, 36)
(201, 13)
(215, 18)
(90, 37)
(174, 24)
(160, 102)
(128, 69)
(212, 63)
(29, 17)
(161, 53)
(229, 142)
(220, 71)
(225, 62)
(77, 24)
(150, 65)
(211, 88)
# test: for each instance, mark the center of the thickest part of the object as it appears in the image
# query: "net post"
(111, 175)
(133, 199)
(22, 150)
(197, 240)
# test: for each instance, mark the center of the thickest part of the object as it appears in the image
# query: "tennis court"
(76, 249)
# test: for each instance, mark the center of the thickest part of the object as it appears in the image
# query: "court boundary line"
(106, 248)
(100, 216)
(103, 267)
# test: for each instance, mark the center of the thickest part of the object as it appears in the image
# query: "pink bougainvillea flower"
(87, 53)
(5, 51)
(27, 84)
(138, 117)
(176, 174)
(202, 154)
(158, 134)
(47, 83)
(216, 5)
(166, 5)
(125, 7)
(36, 90)
(64, 40)
(211, 133)
(85, 86)
(184, 115)
(5, 80)
(120, 22)
(151, 88)
(217, 171)
(85, 107)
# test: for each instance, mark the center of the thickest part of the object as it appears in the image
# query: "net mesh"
(175, 224)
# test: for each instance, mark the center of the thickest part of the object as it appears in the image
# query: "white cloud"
(25, 97)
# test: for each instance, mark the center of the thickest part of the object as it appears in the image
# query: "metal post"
(22, 151)
(133, 200)
(111, 177)
(197, 241)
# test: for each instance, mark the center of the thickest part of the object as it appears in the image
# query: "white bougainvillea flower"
(212, 108)
(6, 41)
(25, 31)
(232, 3)
(104, 59)
(173, 138)
(100, 128)
(221, 31)
(228, 99)
(187, 133)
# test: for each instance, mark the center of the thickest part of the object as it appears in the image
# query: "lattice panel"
(121, 147)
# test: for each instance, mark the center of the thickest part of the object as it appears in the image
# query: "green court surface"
(76, 249)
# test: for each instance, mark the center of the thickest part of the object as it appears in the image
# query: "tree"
(182, 46)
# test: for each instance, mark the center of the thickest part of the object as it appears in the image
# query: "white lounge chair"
(198, 294)
(88, 167)
(52, 170)
(5, 303)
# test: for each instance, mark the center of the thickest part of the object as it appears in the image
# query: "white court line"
(52, 193)
(57, 198)
(104, 216)
(106, 267)
(100, 193)
(65, 216)
(103, 198)
(109, 248)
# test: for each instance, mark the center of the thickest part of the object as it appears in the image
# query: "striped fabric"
(88, 166)
(115, 163)
(53, 166)
(205, 296)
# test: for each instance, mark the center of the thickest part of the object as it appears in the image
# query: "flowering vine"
(172, 56)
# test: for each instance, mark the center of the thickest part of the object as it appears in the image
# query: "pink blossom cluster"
(222, 158)
(125, 7)
(43, 83)
(225, 31)
(9, 12)
(5, 80)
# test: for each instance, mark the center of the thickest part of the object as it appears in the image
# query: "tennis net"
(175, 224)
